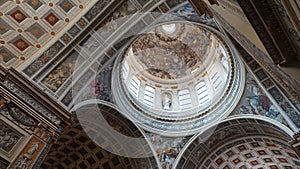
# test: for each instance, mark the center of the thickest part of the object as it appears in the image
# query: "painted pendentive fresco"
(167, 148)
(276, 73)
(100, 87)
(255, 101)
(187, 12)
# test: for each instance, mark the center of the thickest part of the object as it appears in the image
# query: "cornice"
(3, 72)
(269, 29)
(22, 88)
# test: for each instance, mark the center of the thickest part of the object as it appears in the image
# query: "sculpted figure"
(32, 149)
(166, 101)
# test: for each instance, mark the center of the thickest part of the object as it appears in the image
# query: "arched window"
(134, 86)
(125, 70)
(185, 101)
(215, 78)
(149, 96)
(202, 92)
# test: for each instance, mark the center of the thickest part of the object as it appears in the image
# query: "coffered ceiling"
(29, 26)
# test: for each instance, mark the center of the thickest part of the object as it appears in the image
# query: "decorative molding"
(19, 117)
(293, 11)
(17, 86)
(201, 7)
(287, 82)
(12, 87)
(269, 29)
(26, 122)
(3, 101)
(289, 20)
(40, 159)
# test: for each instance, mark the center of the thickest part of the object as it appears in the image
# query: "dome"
(176, 71)
(173, 52)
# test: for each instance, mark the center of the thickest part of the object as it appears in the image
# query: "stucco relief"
(3, 102)
(8, 138)
(19, 117)
(26, 98)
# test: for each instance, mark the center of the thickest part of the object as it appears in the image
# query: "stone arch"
(233, 132)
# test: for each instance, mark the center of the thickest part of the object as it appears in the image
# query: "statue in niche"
(166, 101)
(31, 150)
(25, 161)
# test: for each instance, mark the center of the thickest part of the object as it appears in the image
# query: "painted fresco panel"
(255, 101)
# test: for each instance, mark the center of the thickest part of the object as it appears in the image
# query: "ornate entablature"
(26, 114)
(276, 23)
(13, 84)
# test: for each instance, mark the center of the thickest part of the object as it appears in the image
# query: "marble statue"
(31, 150)
(166, 101)
(25, 160)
